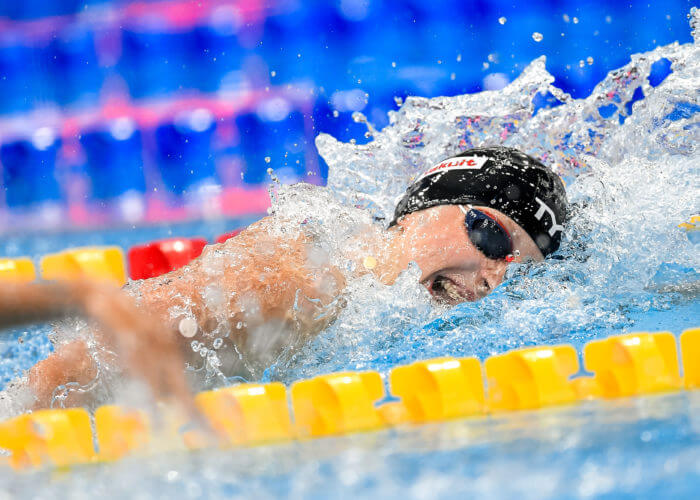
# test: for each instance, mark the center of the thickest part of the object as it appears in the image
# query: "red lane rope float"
(160, 257)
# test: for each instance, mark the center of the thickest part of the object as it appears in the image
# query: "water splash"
(629, 154)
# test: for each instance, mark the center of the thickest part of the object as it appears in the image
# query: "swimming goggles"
(487, 234)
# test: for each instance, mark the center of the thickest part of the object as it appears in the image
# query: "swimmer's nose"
(490, 276)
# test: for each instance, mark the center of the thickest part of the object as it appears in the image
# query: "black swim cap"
(501, 178)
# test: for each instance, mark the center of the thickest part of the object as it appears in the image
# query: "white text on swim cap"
(540, 213)
(456, 163)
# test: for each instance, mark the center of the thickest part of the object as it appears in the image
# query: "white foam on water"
(630, 184)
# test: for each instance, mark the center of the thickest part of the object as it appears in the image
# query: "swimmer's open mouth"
(447, 290)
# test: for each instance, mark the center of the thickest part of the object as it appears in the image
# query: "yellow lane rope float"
(340, 403)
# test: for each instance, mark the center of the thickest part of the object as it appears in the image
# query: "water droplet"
(452, 76)
(187, 327)
(537, 36)
(335, 113)
(393, 64)
(268, 159)
(502, 20)
(608, 19)
(575, 20)
(459, 57)
(566, 18)
(589, 60)
(273, 73)
(581, 64)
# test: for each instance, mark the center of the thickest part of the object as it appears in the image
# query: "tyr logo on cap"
(456, 163)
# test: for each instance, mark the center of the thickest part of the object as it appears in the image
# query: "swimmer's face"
(452, 268)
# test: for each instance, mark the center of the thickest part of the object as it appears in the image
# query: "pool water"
(635, 448)
(629, 155)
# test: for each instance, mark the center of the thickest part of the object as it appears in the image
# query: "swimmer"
(462, 222)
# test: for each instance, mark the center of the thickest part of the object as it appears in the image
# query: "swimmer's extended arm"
(145, 347)
(21, 303)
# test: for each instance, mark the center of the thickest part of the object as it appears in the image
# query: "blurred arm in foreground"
(143, 345)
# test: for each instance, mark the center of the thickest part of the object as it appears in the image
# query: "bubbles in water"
(537, 36)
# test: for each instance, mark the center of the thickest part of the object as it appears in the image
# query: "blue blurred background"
(129, 111)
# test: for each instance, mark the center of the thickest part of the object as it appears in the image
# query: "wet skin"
(452, 268)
